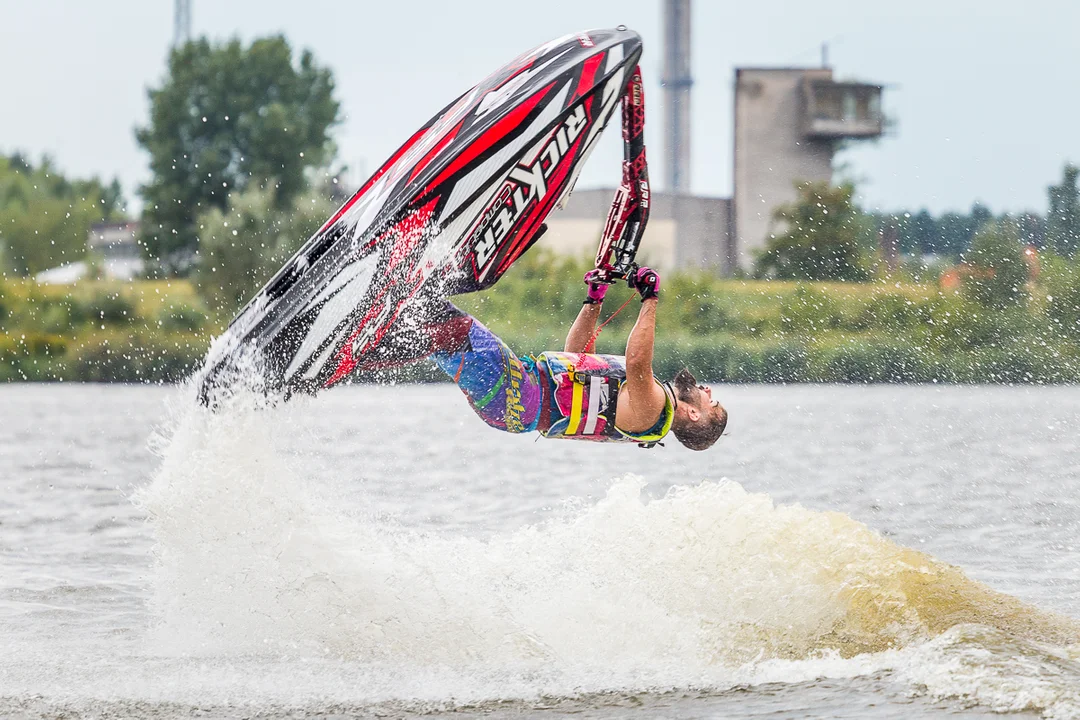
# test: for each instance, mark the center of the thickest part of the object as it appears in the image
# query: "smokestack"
(181, 22)
(676, 82)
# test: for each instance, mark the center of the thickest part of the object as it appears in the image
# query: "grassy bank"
(149, 331)
(770, 331)
(724, 330)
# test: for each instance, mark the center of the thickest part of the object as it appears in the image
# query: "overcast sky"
(983, 92)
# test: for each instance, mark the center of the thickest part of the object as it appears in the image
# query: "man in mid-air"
(575, 394)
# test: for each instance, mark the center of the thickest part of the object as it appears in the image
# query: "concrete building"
(697, 242)
(788, 122)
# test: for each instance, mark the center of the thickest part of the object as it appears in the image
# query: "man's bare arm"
(639, 346)
(583, 328)
(641, 399)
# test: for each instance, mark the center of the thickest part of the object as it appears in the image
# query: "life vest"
(583, 394)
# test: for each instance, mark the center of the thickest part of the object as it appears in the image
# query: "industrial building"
(788, 123)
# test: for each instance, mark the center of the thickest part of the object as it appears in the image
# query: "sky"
(981, 94)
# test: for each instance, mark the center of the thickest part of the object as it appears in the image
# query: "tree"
(1063, 218)
(242, 247)
(925, 233)
(997, 272)
(1032, 229)
(45, 217)
(225, 118)
(821, 240)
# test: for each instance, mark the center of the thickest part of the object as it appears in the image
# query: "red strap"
(591, 345)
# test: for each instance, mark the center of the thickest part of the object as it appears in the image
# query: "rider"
(575, 394)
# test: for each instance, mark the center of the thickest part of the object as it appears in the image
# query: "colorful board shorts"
(505, 390)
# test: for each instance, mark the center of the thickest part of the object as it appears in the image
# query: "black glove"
(646, 281)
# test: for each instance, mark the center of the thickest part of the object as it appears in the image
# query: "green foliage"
(955, 323)
(45, 218)
(762, 331)
(100, 332)
(808, 309)
(689, 295)
(997, 271)
(1063, 218)
(139, 358)
(1061, 281)
(821, 240)
(241, 249)
(228, 118)
(949, 234)
(887, 310)
(107, 308)
(922, 234)
(872, 360)
(182, 317)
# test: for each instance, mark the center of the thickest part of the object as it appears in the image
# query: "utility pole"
(676, 82)
(181, 22)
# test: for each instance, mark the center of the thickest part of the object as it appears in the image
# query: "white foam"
(706, 587)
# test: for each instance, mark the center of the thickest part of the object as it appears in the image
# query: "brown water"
(889, 552)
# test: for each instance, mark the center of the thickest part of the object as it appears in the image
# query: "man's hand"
(597, 290)
(646, 281)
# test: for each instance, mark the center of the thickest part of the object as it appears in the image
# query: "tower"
(181, 22)
(788, 124)
(676, 82)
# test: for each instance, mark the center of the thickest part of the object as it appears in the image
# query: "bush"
(705, 315)
(241, 248)
(809, 309)
(821, 240)
(784, 363)
(706, 357)
(1061, 280)
(890, 311)
(771, 362)
(691, 301)
(956, 323)
(56, 317)
(115, 357)
(105, 308)
(33, 356)
(870, 360)
(997, 272)
(181, 318)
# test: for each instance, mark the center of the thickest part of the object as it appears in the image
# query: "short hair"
(701, 435)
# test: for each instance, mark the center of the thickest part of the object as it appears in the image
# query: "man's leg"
(502, 388)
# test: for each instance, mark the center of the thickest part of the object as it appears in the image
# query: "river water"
(885, 552)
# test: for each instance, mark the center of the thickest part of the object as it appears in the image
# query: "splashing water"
(706, 587)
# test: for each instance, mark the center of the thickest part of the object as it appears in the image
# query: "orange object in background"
(952, 278)
(1031, 257)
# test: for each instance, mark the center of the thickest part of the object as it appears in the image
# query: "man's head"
(699, 420)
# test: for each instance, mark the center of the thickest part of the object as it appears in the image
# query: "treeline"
(824, 235)
(242, 172)
(950, 234)
(45, 217)
(148, 331)
(883, 330)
